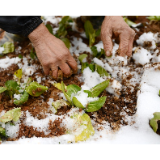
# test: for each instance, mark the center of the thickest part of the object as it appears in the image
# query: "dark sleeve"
(22, 25)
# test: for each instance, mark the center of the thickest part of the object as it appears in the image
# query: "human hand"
(52, 52)
(117, 26)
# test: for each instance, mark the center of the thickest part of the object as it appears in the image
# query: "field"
(132, 89)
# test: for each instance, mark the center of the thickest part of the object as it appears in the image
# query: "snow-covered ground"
(138, 131)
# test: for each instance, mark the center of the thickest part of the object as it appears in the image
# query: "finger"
(73, 64)
(65, 69)
(54, 71)
(46, 70)
(107, 43)
(124, 43)
(129, 53)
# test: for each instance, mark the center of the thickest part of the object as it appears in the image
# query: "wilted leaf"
(35, 89)
(96, 105)
(18, 74)
(8, 47)
(2, 89)
(13, 114)
(153, 121)
(84, 122)
(23, 99)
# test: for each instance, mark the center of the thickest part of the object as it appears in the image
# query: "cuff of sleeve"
(36, 21)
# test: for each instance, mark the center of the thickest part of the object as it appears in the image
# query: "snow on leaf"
(101, 71)
(85, 123)
(2, 89)
(153, 121)
(8, 47)
(96, 105)
(35, 89)
(13, 114)
(81, 57)
(77, 103)
(72, 89)
(23, 99)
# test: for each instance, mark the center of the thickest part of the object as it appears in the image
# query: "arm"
(116, 25)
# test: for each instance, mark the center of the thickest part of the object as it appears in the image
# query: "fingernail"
(108, 53)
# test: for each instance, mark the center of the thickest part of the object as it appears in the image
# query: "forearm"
(22, 25)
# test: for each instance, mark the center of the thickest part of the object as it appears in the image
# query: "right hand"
(52, 52)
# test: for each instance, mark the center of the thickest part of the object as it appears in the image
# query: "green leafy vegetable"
(96, 53)
(81, 57)
(49, 27)
(2, 89)
(35, 89)
(72, 89)
(8, 47)
(12, 87)
(101, 71)
(129, 22)
(154, 120)
(96, 105)
(23, 99)
(2, 133)
(66, 42)
(13, 114)
(154, 18)
(98, 89)
(90, 32)
(77, 103)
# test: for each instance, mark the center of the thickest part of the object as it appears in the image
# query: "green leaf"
(66, 42)
(154, 18)
(13, 114)
(8, 47)
(101, 71)
(23, 99)
(129, 22)
(90, 32)
(77, 103)
(96, 53)
(49, 27)
(35, 89)
(20, 56)
(86, 64)
(12, 87)
(18, 74)
(58, 86)
(2, 89)
(81, 57)
(96, 105)
(84, 122)
(72, 89)
(153, 121)
(32, 54)
(2, 133)
(65, 94)
(98, 89)
(98, 32)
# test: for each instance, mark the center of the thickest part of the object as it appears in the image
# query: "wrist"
(38, 34)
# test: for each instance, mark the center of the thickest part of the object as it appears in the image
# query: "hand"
(117, 26)
(52, 52)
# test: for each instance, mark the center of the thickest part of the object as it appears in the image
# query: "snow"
(1, 49)
(137, 132)
(17, 96)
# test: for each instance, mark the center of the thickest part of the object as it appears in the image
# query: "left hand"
(116, 25)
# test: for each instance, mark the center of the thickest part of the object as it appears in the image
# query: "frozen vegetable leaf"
(13, 114)
(18, 74)
(77, 103)
(129, 22)
(66, 42)
(72, 89)
(81, 57)
(12, 87)
(154, 120)
(86, 125)
(49, 27)
(65, 94)
(101, 71)
(23, 99)
(8, 47)
(95, 105)
(98, 89)
(154, 18)
(59, 103)
(35, 89)
(2, 132)
(2, 89)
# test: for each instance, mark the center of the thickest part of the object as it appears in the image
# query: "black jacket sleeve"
(22, 25)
